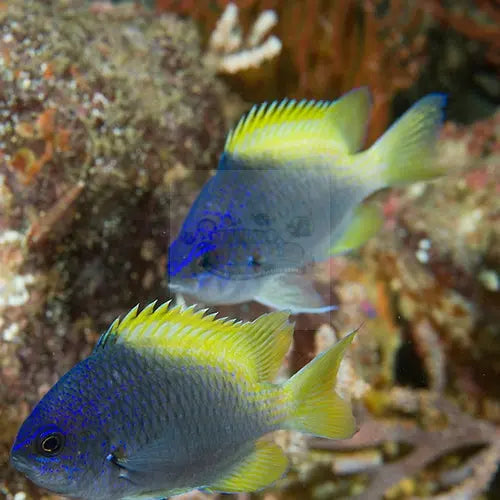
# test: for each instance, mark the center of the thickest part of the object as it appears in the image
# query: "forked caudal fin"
(315, 406)
(406, 151)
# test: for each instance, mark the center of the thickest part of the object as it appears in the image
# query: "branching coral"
(481, 26)
(430, 439)
(230, 53)
(346, 43)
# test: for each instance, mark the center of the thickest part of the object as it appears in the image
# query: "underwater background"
(113, 116)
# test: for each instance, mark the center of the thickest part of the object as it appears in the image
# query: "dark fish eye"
(50, 444)
(255, 260)
(204, 261)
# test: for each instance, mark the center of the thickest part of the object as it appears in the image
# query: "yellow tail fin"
(406, 150)
(315, 406)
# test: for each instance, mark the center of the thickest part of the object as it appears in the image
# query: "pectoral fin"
(294, 293)
(266, 464)
(365, 223)
(156, 457)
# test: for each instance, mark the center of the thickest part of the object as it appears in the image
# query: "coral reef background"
(113, 117)
(399, 48)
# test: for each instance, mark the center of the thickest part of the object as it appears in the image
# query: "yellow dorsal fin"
(350, 115)
(289, 130)
(255, 349)
(265, 465)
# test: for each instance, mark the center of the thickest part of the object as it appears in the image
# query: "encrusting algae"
(86, 230)
(113, 153)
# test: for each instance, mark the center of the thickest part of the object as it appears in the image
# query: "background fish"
(171, 400)
(287, 193)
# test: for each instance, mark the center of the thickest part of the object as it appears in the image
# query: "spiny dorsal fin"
(289, 130)
(351, 114)
(255, 348)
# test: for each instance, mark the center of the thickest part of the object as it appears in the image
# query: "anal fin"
(292, 292)
(265, 465)
(158, 495)
(365, 223)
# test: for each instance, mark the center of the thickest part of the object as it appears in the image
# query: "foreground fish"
(171, 400)
(287, 193)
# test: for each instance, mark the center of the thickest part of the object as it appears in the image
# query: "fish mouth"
(182, 286)
(23, 465)
(20, 464)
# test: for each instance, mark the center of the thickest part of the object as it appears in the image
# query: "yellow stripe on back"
(255, 349)
(291, 130)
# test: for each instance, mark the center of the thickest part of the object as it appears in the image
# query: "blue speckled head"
(236, 234)
(202, 263)
(189, 258)
(63, 444)
(188, 255)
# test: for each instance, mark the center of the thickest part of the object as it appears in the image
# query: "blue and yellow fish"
(174, 399)
(288, 193)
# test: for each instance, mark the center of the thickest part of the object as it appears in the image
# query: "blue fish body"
(171, 400)
(287, 190)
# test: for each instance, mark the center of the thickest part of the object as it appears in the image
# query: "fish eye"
(204, 261)
(255, 260)
(50, 444)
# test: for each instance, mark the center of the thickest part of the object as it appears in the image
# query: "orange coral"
(48, 71)
(42, 227)
(45, 123)
(62, 140)
(356, 45)
(25, 130)
(25, 162)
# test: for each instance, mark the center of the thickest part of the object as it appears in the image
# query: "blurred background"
(112, 117)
